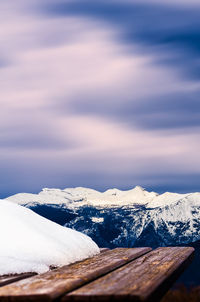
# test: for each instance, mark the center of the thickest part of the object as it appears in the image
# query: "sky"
(99, 94)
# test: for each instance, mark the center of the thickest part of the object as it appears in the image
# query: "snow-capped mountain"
(121, 218)
(78, 197)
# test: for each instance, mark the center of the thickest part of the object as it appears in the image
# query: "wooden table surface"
(121, 274)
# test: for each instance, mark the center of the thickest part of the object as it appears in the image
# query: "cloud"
(165, 2)
(109, 156)
(176, 110)
(168, 31)
(41, 74)
(97, 94)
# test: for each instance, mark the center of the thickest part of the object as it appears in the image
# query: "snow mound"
(31, 243)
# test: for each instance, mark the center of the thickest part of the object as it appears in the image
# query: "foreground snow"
(31, 243)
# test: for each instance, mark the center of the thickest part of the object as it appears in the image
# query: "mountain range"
(129, 218)
(73, 197)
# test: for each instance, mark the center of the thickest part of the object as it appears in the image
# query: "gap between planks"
(144, 279)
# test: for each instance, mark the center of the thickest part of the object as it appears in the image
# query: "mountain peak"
(139, 188)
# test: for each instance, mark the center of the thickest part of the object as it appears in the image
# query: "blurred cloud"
(176, 110)
(181, 3)
(170, 32)
(99, 94)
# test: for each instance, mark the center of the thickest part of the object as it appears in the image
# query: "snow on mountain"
(76, 197)
(31, 243)
(121, 218)
(83, 196)
(46, 196)
(166, 198)
(171, 224)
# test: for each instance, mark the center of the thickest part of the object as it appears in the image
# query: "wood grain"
(7, 279)
(144, 279)
(104, 249)
(51, 285)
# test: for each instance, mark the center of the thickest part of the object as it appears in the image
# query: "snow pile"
(31, 243)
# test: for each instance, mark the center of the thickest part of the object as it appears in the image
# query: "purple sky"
(99, 94)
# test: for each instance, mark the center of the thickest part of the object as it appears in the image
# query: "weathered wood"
(7, 279)
(144, 279)
(51, 285)
(104, 249)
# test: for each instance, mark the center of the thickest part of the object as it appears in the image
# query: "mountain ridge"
(80, 196)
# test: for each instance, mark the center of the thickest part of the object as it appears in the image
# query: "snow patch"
(31, 243)
(97, 219)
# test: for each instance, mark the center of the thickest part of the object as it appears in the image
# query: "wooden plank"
(104, 249)
(51, 285)
(144, 279)
(7, 279)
